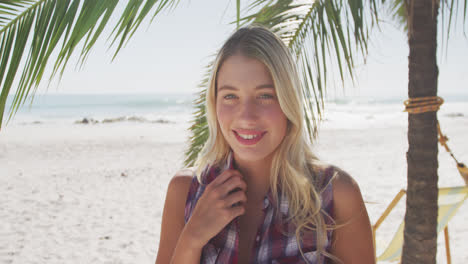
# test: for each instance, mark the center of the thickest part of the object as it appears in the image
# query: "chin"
(251, 155)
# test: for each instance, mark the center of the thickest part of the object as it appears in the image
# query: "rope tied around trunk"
(423, 104)
(432, 104)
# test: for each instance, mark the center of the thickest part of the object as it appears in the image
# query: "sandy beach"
(73, 193)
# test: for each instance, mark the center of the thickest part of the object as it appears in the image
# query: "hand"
(222, 201)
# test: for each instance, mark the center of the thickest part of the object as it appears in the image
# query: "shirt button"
(257, 238)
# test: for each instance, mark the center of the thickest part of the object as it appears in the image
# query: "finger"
(235, 199)
(223, 177)
(232, 185)
(237, 210)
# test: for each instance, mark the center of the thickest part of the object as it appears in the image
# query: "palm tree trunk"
(420, 234)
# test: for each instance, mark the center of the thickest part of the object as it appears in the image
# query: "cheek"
(278, 118)
(275, 113)
(222, 115)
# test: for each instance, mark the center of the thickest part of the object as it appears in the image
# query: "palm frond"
(399, 14)
(319, 34)
(199, 128)
(44, 26)
(449, 11)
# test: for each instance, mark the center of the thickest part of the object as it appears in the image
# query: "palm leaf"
(199, 128)
(451, 9)
(324, 35)
(45, 26)
(320, 34)
(398, 11)
(399, 14)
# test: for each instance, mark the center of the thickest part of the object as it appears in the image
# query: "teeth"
(248, 136)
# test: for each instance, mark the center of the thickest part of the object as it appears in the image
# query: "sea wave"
(135, 119)
(346, 113)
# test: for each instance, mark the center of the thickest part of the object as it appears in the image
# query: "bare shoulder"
(173, 214)
(176, 196)
(347, 198)
(181, 180)
(352, 239)
(188, 172)
(178, 189)
(344, 186)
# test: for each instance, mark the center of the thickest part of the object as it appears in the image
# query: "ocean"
(71, 108)
(344, 112)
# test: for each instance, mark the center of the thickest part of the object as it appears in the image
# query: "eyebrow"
(259, 87)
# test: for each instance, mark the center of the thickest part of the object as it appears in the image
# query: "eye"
(267, 96)
(229, 96)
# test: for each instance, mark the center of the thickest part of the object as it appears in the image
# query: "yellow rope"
(432, 104)
(443, 141)
(462, 169)
(463, 172)
(423, 104)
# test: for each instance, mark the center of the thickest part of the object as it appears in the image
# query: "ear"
(288, 127)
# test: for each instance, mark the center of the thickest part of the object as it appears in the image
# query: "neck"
(256, 174)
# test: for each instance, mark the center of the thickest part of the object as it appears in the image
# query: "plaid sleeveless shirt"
(275, 240)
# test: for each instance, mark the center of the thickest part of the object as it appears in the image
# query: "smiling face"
(247, 109)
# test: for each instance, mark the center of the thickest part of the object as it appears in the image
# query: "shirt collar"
(283, 203)
(211, 172)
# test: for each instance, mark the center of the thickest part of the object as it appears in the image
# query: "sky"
(170, 54)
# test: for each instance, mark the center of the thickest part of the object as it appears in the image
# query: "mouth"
(248, 137)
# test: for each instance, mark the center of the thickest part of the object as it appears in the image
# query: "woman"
(259, 194)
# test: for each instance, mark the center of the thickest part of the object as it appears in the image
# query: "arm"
(218, 205)
(173, 221)
(352, 239)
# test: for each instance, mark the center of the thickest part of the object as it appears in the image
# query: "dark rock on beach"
(87, 121)
(137, 119)
(161, 121)
(113, 120)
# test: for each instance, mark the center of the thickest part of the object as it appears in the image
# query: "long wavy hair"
(294, 166)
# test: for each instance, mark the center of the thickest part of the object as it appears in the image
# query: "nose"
(248, 111)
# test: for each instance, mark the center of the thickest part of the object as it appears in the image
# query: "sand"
(74, 193)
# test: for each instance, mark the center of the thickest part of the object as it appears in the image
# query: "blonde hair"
(293, 171)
